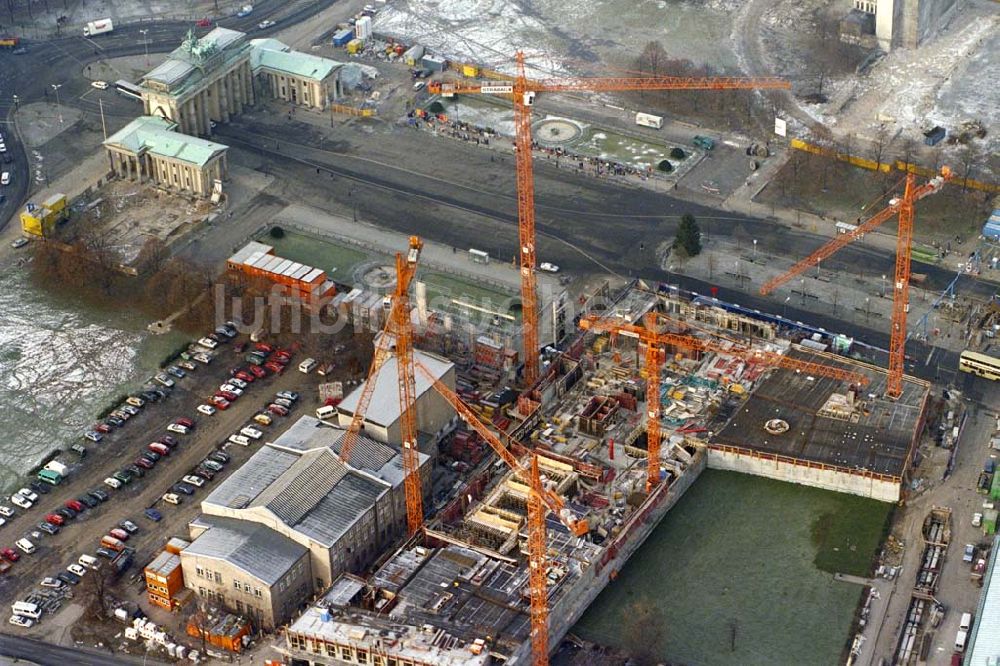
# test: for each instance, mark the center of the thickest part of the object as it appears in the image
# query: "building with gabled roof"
(150, 149)
(297, 487)
(299, 78)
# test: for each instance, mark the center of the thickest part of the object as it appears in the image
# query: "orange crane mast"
(653, 360)
(397, 334)
(903, 208)
(523, 91)
(539, 499)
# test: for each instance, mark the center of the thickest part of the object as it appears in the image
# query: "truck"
(245, 10)
(648, 120)
(57, 467)
(703, 142)
(98, 27)
(9, 42)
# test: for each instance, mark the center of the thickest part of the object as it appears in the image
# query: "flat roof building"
(344, 515)
(983, 647)
(150, 149)
(383, 414)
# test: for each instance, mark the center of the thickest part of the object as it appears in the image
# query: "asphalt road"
(47, 654)
(60, 61)
(451, 193)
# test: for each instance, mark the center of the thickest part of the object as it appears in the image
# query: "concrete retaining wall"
(827, 479)
(564, 614)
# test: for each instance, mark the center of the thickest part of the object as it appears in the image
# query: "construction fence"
(886, 167)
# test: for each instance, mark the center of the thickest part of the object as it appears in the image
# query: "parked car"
(239, 439)
(277, 409)
(21, 621)
(143, 463)
(135, 401)
(228, 395)
(247, 377)
(68, 577)
(40, 487)
(48, 528)
(251, 432)
(263, 419)
(182, 488)
(6, 511)
(21, 501)
(178, 428)
(220, 455)
(970, 553)
(66, 512)
(213, 465)
(27, 494)
(204, 472)
(208, 343)
(93, 436)
(48, 581)
(55, 519)
(207, 410)
(284, 402)
(163, 380)
(88, 501)
(204, 23)
(75, 505)
(184, 421)
(129, 526)
(220, 402)
(187, 365)
(106, 552)
(76, 570)
(193, 480)
(230, 388)
(131, 410)
(276, 368)
(102, 428)
(238, 383)
(153, 515)
(10, 554)
(172, 498)
(135, 470)
(100, 494)
(288, 395)
(258, 371)
(119, 533)
(176, 372)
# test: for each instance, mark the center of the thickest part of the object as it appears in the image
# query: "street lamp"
(56, 87)
(16, 101)
(145, 43)
(883, 286)
(784, 309)
(755, 249)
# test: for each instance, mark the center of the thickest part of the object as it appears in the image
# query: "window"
(282, 91)
(257, 593)
(199, 572)
(218, 577)
(246, 587)
(236, 584)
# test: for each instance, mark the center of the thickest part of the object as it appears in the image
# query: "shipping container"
(648, 120)
(50, 477)
(341, 37)
(470, 71)
(413, 55)
(363, 28)
(934, 135)
(355, 46)
(434, 63)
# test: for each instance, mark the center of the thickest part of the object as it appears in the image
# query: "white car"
(6, 511)
(20, 501)
(21, 621)
(548, 268)
(977, 519)
(195, 481)
(100, 85)
(251, 432)
(49, 581)
(231, 388)
(172, 498)
(178, 428)
(208, 343)
(264, 25)
(77, 569)
(207, 410)
(239, 439)
(5, 176)
(18, 243)
(30, 495)
(236, 381)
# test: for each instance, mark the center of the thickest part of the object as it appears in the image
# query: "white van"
(239, 439)
(89, 561)
(307, 365)
(326, 411)
(965, 622)
(113, 482)
(25, 546)
(26, 609)
(960, 641)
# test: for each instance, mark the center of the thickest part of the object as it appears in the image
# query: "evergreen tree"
(688, 236)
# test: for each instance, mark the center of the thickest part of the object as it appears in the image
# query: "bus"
(982, 365)
(648, 120)
(123, 87)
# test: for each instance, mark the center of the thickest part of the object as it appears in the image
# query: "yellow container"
(354, 45)
(470, 71)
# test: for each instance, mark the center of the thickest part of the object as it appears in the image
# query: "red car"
(228, 395)
(276, 368)
(10, 554)
(119, 534)
(143, 463)
(75, 505)
(277, 409)
(204, 23)
(264, 347)
(219, 402)
(258, 371)
(284, 352)
(55, 519)
(245, 376)
(102, 427)
(184, 421)
(274, 358)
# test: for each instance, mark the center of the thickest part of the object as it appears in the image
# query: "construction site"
(709, 388)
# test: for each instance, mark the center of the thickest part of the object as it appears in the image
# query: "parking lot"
(116, 450)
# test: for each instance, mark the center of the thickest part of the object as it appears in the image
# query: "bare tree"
(968, 158)
(652, 58)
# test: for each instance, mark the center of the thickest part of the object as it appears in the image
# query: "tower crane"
(903, 208)
(539, 499)
(397, 336)
(653, 361)
(523, 91)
